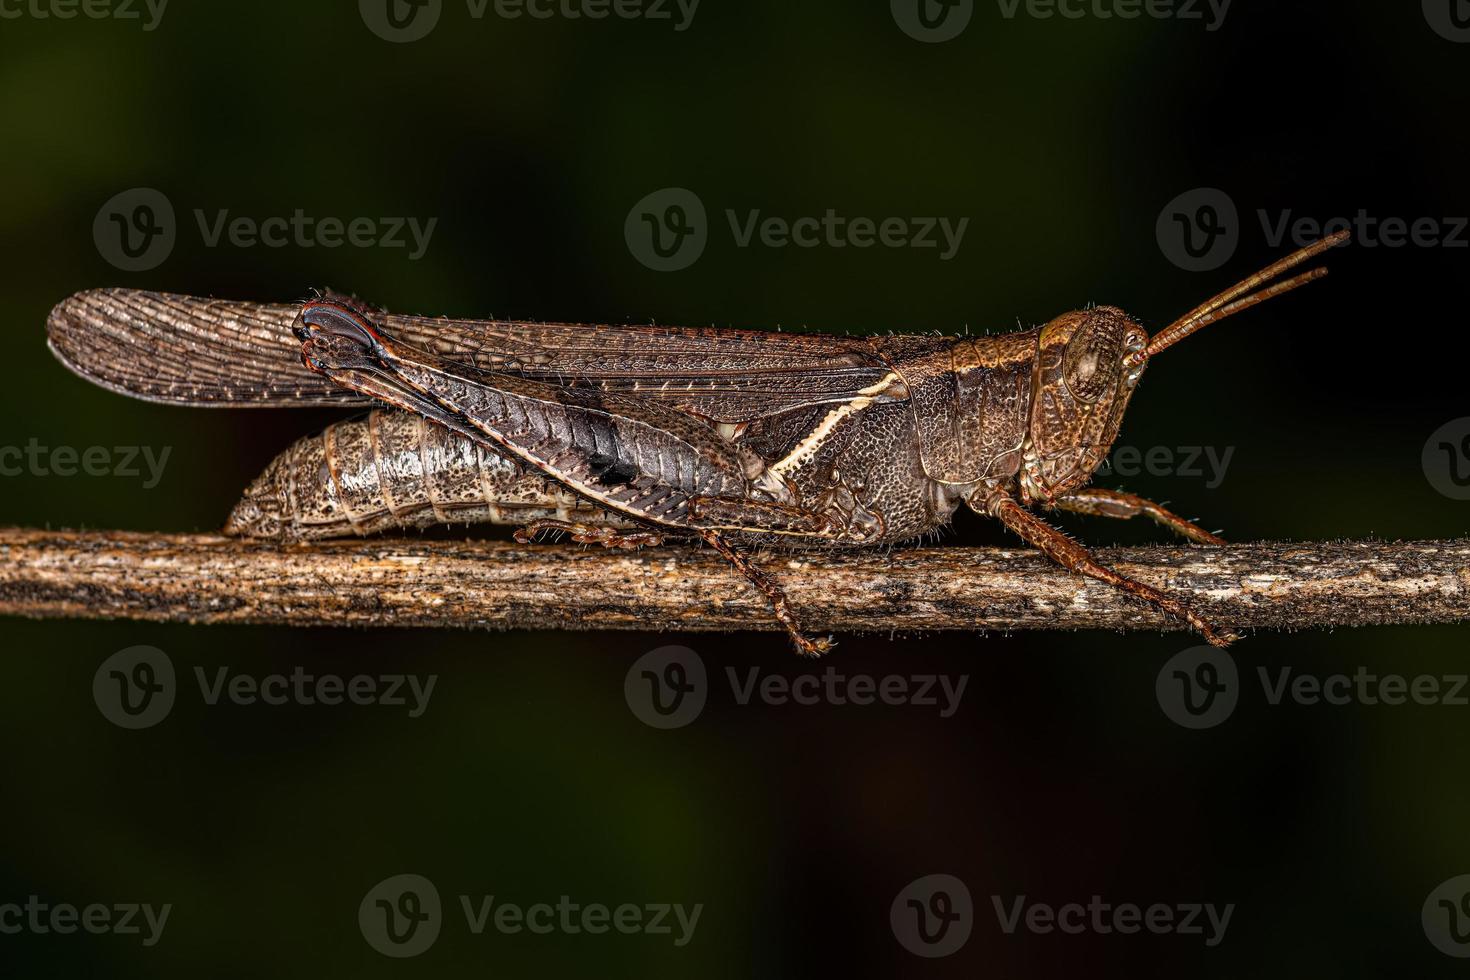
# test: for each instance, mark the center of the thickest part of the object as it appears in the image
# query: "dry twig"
(397, 582)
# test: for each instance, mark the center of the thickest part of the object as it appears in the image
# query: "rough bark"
(397, 582)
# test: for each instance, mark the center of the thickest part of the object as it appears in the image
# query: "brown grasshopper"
(627, 436)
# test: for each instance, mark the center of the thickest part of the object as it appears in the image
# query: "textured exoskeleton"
(625, 435)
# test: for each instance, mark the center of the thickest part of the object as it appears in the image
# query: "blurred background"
(1143, 161)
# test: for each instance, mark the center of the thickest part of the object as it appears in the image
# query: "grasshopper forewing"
(625, 435)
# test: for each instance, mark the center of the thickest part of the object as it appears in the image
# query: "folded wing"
(188, 350)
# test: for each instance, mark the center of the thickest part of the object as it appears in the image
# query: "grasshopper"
(627, 436)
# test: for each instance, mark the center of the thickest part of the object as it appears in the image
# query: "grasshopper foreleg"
(805, 645)
(1076, 558)
(1120, 505)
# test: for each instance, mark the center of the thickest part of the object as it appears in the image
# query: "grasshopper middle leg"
(582, 533)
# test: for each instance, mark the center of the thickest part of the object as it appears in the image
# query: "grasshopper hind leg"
(613, 537)
(805, 646)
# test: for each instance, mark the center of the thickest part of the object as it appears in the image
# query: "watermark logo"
(573, 918)
(667, 230)
(34, 459)
(1199, 687)
(401, 916)
(136, 230)
(42, 918)
(1446, 917)
(936, 21)
(1450, 19)
(678, 12)
(401, 21)
(1199, 230)
(932, 21)
(833, 230)
(933, 916)
(1209, 12)
(1446, 459)
(149, 13)
(134, 688)
(667, 688)
(1204, 919)
(1362, 687)
(941, 692)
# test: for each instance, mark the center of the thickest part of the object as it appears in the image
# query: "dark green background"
(528, 777)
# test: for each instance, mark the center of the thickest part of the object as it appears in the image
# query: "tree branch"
(418, 582)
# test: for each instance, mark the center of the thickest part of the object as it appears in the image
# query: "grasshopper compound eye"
(1091, 359)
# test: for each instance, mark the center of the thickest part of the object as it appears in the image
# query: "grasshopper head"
(1087, 366)
(1088, 363)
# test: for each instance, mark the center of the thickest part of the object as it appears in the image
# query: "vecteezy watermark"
(666, 688)
(1446, 459)
(669, 229)
(402, 916)
(1446, 917)
(1211, 13)
(932, 21)
(1362, 686)
(135, 688)
(932, 916)
(1200, 229)
(1102, 918)
(1450, 19)
(1208, 463)
(941, 692)
(1200, 687)
(137, 230)
(148, 13)
(402, 21)
(669, 687)
(34, 459)
(40, 918)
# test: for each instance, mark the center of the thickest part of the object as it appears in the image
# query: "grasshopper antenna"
(1240, 296)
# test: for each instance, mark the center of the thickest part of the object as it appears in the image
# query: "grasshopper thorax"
(1086, 369)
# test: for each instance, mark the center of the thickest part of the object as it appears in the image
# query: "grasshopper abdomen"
(389, 470)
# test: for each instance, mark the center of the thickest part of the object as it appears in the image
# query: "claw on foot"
(812, 647)
(1219, 638)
